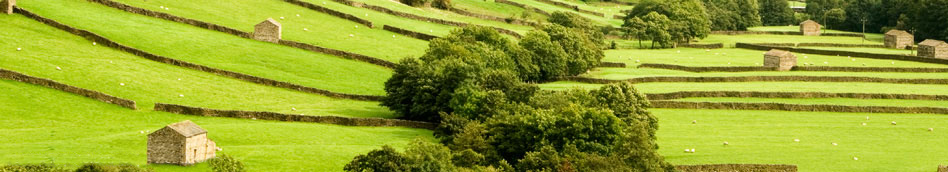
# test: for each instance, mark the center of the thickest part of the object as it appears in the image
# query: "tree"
(583, 51)
(834, 17)
(689, 17)
(635, 28)
(226, 163)
(589, 129)
(657, 27)
(775, 13)
(929, 19)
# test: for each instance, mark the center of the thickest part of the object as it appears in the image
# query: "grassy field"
(767, 137)
(730, 40)
(553, 8)
(322, 29)
(817, 101)
(48, 126)
(216, 49)
(878, 37)
(490, 7)
(446, 15)
(606, 8)
(124, 75)
(742, 57)
(868, 50)
(831, 87)
(628, 73)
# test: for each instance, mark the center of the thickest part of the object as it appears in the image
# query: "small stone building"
(810, 28)
(898, 39)
(933, 49)
(182, 143)
(8, 5)
(269, 30)
(782, 60)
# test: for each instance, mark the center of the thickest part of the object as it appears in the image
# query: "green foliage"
(589, 129)
(776, 13)
(732, 14)
(92, 167)
(834, 17)
(385, 159)
(583, 52)
(653, 27)
(581, 24)
(32, 168)
(929, 20)
(441, 4)
(226, 163)
(689, 18)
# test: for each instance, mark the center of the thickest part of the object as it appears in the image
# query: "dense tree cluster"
(473, 82)
(925, 17)
(732, 14)
(686, 20)
(776, 13)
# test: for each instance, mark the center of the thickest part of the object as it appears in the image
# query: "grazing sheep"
(93, 43)
(867, 118)
(122, 84)
(297, 15)
(863, 123)
(856, 158)
(796, 140)
(931, 129)
(725, 143)
(694, 121)
(351, 35)
(57, 68)
(281, 18)
(305, 29)
(294, 109)
(893, 122)
(834, 144)
(18, 49)
(180, 95)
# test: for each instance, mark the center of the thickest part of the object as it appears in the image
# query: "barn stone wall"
(268, 30)
(940, 52)
(375, 122)
(795, 68)
(166, 146)
(8, 5)
(783, 62)
(763, 47)
(898, 41)
(810, 28)
(199, 149)
(16, 76)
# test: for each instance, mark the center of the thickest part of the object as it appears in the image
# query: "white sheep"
(305, 29)
(893, 122)
(180, 95)
(351, 35)
(637, 61)
(834, 144)
(18, 49)
(863, 123)
(281, 18)
(867, 118)
(931, 129)
(725, 143)
(93, 43)
(294, 109)
(694, 121)
(796, 140)
(122, 84)
(856, 158)
(297, 15)
(57, 68)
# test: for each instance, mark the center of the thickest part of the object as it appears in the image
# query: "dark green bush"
(32, 168)
(226, 163)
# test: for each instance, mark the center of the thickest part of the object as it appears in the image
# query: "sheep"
(636, 61)
(679, 51)
(826, 62)
(18, 49)
(725, 143)
(694, 121)
(931, 129)
(93, 43)
(357, 26)
(180, 95)
(856, 158)
(57, 68)
(179, 79)
(281, 17)
(293, 108)
(297, 15)
(141, 132)
(351, 35)
(122, 84)
(806, 57)
(863, 123)
(893, 62)
(853, 59)
(834, 144)
(867, 118)
(796, 140)
(305, 29)
(893, 122)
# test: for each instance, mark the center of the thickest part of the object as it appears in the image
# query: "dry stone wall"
(795, 107)
(375, 122)
(11, 75)
(942, 168)
(524, 6)
(249, 78)
(844, 53)
(420, 18)
(612, 64)
(705, 46)
(732, 32)
(795, 68)
(687, 94)
(494, 18)
(331, 12)
(210, 26)
(759, 79)
(413, 34)
(737, 167)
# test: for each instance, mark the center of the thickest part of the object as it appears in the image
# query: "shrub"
(225, 163)
(91, 167)
(441, 4)
(32, 168)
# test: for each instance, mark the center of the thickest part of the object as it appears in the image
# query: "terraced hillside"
(832, 112)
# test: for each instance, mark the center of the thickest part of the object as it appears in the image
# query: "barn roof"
(897, 32)
(933, 43)
(809, 22)
(269, 21)
(187, 128)
(777, 52)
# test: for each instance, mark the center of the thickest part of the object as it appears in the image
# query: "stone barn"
(810, 28)
(182, 143)
(782, 60)
(899, 39)
(269, 30)
(8, 5)
(933, 49)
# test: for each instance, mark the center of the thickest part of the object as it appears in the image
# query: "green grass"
(104, 69)
(607, 20)
(323, 29)
(741, 57)
(628, 73)
(831, 101)
(766, 137)
(48, 126)
(442, 14)
(490, 7)
(831, 87)
(216, 49)
(608, 9)
(796, 4)
(730, 40)
(877, 37)
(868, 50)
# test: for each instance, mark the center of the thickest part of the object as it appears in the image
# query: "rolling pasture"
(43, 125)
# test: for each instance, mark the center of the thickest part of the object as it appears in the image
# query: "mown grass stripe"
(758, 79)
(757, 94)
(795, 68)
(348, 121)
(795, 107)
(245, 77)
(215, 27)
(16, 76)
